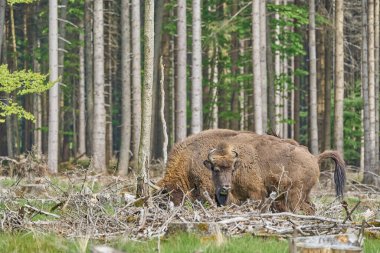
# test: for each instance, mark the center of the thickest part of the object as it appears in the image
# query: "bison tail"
(340, 172)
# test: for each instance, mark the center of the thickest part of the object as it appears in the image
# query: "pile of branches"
(111, 212)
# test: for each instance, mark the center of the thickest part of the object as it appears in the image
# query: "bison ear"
(237, 164)
(208, 164)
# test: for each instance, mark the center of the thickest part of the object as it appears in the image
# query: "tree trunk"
(162, 115)
(144, 152)
(180, 117)
(339, 77)
(88, 24)
(321, 79)
(126, 89)
(196, 91)
(256, 67)
(263, 63)
(329, 37)
(368, 177)
(365, 95)
(242, 103)
(81, 98)
(157, 134)
(136, 79)
(313, 81)
(3, 5)
(377, 79)
(61, 63)
(108, 87)
(271, 84)
(277, 70)
(214, 90)
(99, 128)
(235, 85)
(37, 97)
(54, 91)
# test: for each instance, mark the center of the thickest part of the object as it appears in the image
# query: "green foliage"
(12, 2)
(184, 242)
(353, 131)
(37, 242)
(17, 84)
(290, 16)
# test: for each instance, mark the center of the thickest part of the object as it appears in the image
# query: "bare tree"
(263, 61)
(89, 72)
(313, 80)
(368, 178)
(339, 76)
(136, 79)
(99, 127)
(377, 79)
(364, 80)
(277, 70)
(126, 89)
(180, 117)
(37, 103)
(196, 92)
(2, 23)
(82, 102)
(256, 67)
(54, 91)
(144, 152)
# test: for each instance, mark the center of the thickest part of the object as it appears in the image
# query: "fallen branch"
(39, 211)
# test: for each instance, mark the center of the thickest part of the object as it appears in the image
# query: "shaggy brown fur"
(266, 164)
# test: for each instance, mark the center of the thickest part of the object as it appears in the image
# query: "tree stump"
(345, 243)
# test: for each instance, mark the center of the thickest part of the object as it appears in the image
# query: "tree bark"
(37, 104)
(365, 95)
(136, 79)
(368, 176)
(3, 5)
(54, 91)
(339, 77)
(196, 91)
(377, 79)
(256, 67)
(89, 71)
(82, 102)
(328, 84)
(263, 63)
(144, 152)
(313, 80)
(271, 84)
(157, 134)
(181, 122)
(108, 86)
(277, 70)
(126, 89)
(236, 88)
(99, 127)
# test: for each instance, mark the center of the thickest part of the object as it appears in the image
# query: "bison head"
(222, 162)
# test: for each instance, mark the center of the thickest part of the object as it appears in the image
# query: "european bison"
(263, 164)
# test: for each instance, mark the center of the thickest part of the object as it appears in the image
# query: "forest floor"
(84, 205)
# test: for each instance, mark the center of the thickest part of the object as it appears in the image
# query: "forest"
(95, 94)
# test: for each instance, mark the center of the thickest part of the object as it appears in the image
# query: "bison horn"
(210, 153)
(236, 153)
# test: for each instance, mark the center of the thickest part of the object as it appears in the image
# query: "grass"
(33, 242)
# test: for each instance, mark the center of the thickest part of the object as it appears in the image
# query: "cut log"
(344, 243)
(204, 228)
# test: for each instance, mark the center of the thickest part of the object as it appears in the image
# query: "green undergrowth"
(33, 242)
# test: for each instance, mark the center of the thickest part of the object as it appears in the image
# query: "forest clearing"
(98, 98)
(90, 209)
